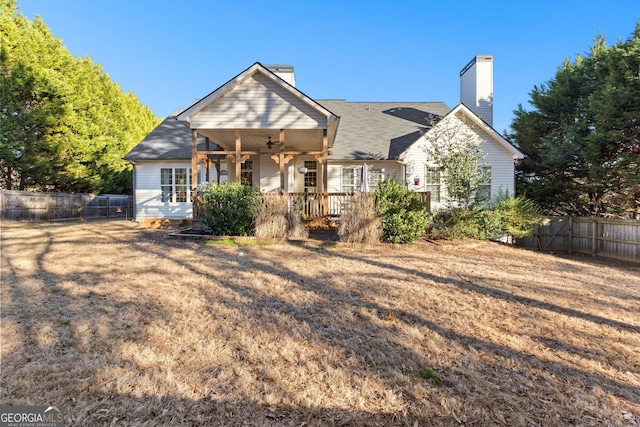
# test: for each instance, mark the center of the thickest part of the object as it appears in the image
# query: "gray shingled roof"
(367, 130)
(381, 130)
(170, 140)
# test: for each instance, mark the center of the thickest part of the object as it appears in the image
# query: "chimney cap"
(485, 57)
(280, 68)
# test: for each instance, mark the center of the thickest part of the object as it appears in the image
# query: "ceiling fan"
(271, 143)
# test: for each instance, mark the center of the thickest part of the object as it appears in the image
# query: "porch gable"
(258, 103)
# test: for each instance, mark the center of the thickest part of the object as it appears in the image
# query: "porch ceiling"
(256, 139)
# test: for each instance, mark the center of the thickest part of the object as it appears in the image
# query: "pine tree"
(65, 124)
(582, 140)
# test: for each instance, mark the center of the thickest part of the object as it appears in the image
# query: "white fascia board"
(257, 67)
(197, 106)
(517, 154)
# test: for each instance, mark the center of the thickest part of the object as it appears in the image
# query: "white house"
(258, 128)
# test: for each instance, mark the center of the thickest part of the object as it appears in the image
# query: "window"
(432, 182)
(174, 185)
(246, 173)
(166, 184)
(351, 178)
(483, 193)
(181, 185)
(311, 176)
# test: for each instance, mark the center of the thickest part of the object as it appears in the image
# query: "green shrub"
(512, 216)
(520, 216)
(404, 218)
(227, 209)
(456, 223)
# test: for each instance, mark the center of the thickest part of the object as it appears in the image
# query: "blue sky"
(170, 53)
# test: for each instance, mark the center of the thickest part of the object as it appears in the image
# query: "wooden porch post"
(208, 160)
(194, 158)
(325, 171)
(218, 164)
(281, 162)
(238, 156)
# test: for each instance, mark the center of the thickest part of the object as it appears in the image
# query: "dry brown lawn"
(123, 326)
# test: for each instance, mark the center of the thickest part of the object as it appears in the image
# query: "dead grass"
(275, 220)
(361, 223)
(120, 325)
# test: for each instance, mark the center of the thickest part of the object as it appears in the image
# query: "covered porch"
(269, 134)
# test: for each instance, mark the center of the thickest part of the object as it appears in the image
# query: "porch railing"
(313, 204)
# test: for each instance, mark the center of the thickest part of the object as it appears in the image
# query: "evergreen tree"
(582, 140)
(65, 125)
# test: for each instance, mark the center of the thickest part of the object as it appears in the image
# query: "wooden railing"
(314, 205)
(317, 205)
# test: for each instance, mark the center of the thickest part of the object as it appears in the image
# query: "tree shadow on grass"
(337, 318)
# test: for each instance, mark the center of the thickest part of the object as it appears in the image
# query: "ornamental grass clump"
(274, 219)
(360, 223)
(520, 215)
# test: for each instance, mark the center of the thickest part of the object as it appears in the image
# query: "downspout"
(135, 210)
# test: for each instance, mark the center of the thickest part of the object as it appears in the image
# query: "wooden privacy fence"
(39, 207)
(603, 237)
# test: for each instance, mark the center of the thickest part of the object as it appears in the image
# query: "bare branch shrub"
(360, 223)
(276, 220)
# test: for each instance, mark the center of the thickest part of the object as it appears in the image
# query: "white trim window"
(311, 176)
(351, 178)
(246, 173)
(175, 184)
(484, 187)
(432, 182)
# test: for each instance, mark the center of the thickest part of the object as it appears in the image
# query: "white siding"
(484, 90)
(476, 87)
(335, 171)
(500, 160)
(148, 194)
(258, 103)
(269, 174)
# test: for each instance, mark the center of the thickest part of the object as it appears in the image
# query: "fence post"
(594, 240)
(570, 234)
(539, 236)
(47, 206)
(108, 208)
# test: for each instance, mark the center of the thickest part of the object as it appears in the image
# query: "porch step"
(325, 229)
(324, 235)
